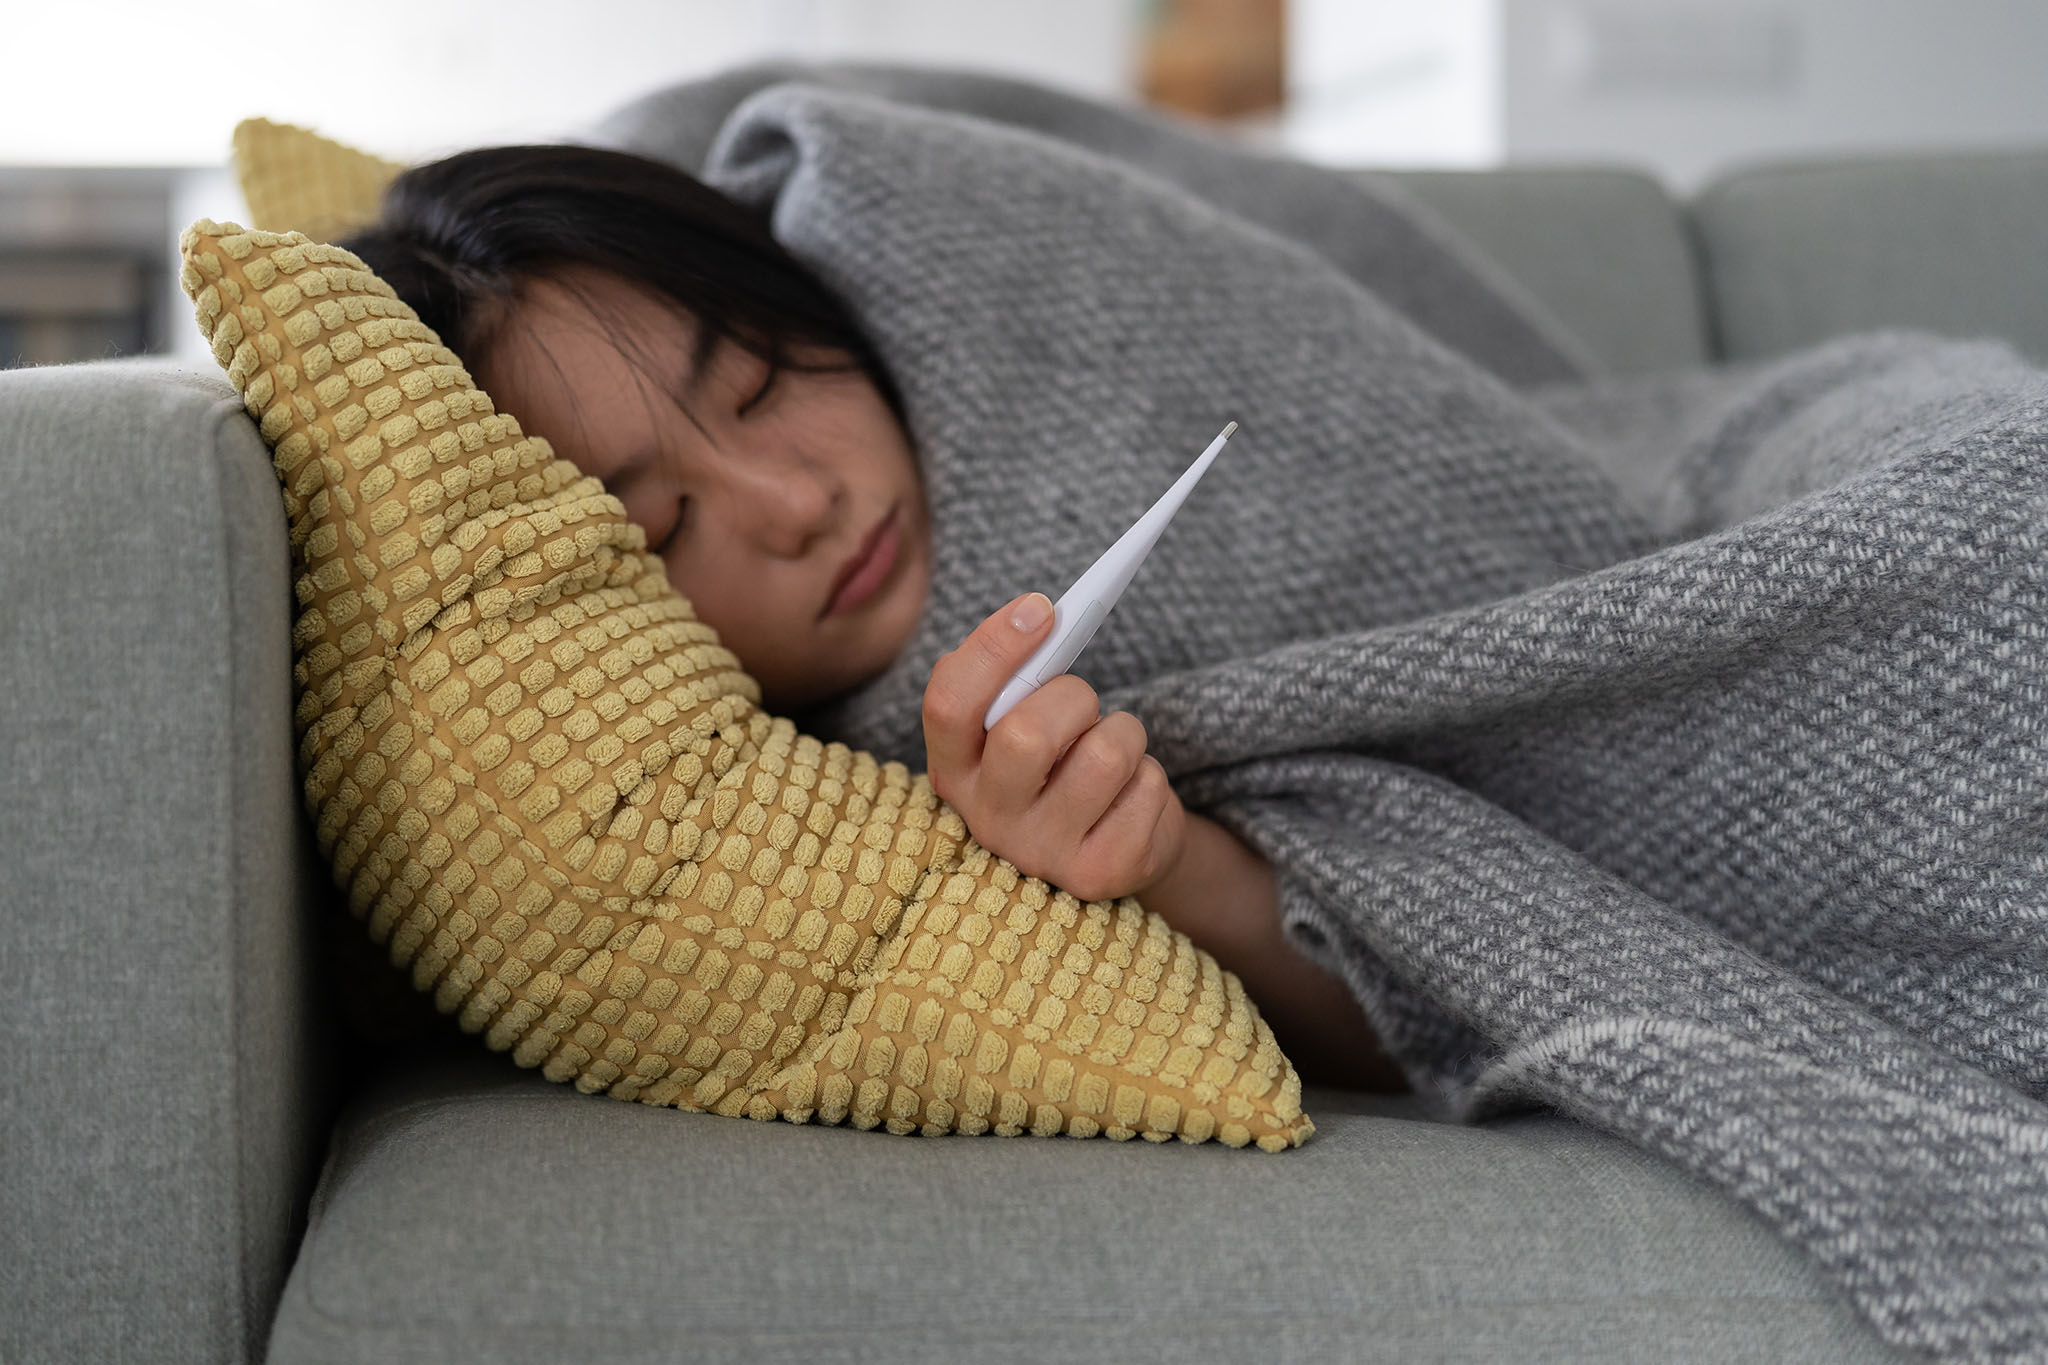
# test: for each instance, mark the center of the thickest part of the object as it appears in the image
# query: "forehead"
(580, 356)
(590, 311)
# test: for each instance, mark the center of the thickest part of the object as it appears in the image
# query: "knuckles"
(945, 707)
(1114, 745)
(1020, 739)
(994, 650)
(1102, 755)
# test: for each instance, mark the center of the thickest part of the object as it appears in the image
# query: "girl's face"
(758, 499)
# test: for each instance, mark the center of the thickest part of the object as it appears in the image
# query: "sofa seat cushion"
(1386, 1237)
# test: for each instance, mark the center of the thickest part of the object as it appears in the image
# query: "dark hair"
(459, 237)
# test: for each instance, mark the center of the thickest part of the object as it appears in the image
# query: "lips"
(861, 574)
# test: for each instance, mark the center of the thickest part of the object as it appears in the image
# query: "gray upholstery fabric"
(1951, 244)
(471, 1211)
(1606, 251)
(157, 1043)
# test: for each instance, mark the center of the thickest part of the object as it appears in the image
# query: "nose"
(780, 500)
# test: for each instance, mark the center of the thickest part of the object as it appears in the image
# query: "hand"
(1066, 796)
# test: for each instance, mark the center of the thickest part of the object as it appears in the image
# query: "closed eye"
(674, 529)
(626, 484)
(767, 382)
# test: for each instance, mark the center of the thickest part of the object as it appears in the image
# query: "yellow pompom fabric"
(293, 179)
(552, 792)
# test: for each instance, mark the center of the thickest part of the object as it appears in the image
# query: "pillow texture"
(553, 794)
(293, 179)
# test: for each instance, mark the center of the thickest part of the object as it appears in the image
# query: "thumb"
(964, 684)
(1006, 639)
(998, 648)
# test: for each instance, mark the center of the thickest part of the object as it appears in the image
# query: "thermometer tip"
(1229, 429)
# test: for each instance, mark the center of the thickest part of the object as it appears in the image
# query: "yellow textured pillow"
(293, 179)
(552, 791)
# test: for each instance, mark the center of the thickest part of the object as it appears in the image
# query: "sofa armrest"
(166, 1054)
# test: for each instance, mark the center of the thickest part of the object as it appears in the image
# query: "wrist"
(1212, 893)
(1226, 899)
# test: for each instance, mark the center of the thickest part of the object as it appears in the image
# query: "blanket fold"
(1667, 752)
(1366, 225)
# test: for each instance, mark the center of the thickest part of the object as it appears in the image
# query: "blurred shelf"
(84, 262)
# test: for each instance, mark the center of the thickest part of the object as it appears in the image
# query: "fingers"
(1097, 765)
(1019, 755)
(1129, 847)
(965, 682)
(1054, 786)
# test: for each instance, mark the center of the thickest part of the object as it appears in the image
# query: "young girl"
(661, 339)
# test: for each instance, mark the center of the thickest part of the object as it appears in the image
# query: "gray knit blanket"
(1668, 753)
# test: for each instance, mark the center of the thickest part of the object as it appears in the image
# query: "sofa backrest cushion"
(1604, 249)
(1949, 243)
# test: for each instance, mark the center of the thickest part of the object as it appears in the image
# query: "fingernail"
(1031, 612)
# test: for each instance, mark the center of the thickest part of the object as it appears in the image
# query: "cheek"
(651, 515)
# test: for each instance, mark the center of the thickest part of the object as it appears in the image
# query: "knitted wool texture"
(1679, 766)
(295, 180)
(553, 791)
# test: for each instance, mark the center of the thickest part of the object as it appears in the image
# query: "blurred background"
(115, 120)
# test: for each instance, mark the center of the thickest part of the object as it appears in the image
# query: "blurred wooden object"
(1219, 59)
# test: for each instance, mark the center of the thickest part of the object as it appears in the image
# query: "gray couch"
(204, 1160)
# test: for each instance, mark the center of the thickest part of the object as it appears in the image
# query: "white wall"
(1691, 87)
(1394, 83)
(1683, 87)
(144, 83)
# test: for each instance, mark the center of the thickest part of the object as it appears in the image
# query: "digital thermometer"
(1081, 608)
